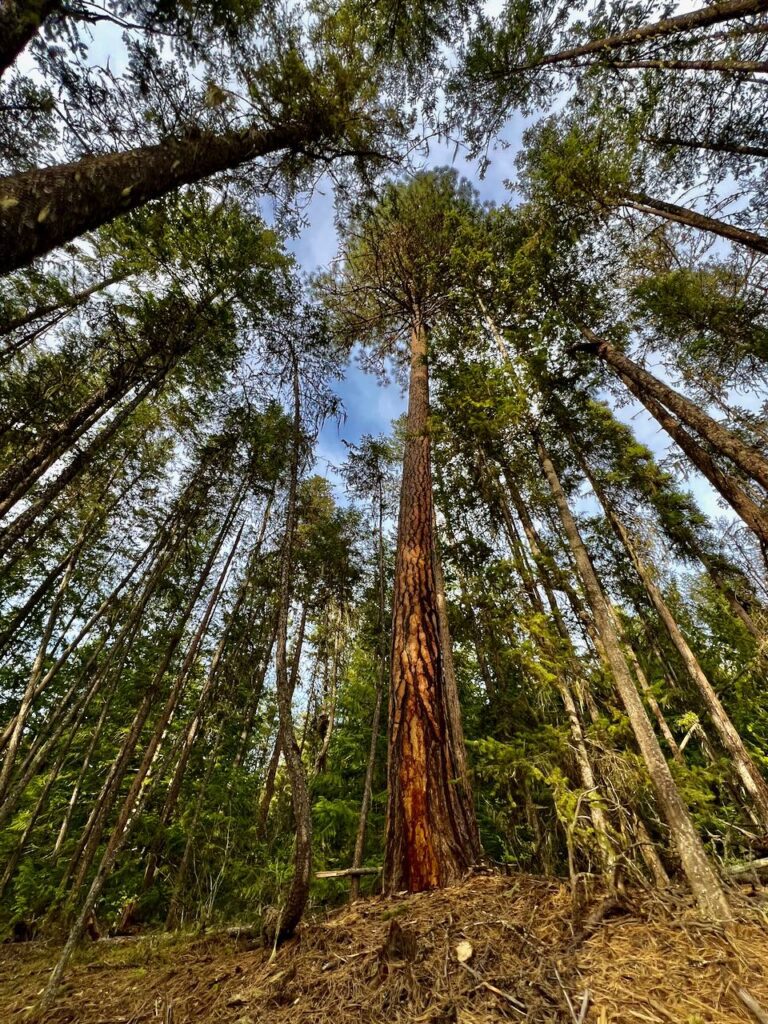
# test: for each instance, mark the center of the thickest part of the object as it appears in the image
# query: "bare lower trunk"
(431, 831)
(289, 915)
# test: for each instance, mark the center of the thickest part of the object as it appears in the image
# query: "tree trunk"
(76, 465)
(712, 14)
(725, 484)
(14, 740)
(653, 704)
(725, 65)
(723, 440)
(701, 877)
(67, 304)
(20, 20)
(746, 769)
(269, 781)
(713, 145)
(44, 208)
(290, 914)
(432, 837)
(691, 218)
(89, 841)
(138, 790)
(357, 856)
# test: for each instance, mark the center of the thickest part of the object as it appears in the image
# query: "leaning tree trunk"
(711, 145)
(701, 877)
(65, 305)
(20, 21)
(711, 14)
(746, 769)
(724, 483)
(693, 219)
(43, 208)
(723, 440)
(432, 836)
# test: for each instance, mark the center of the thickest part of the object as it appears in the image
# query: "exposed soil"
(528, 956)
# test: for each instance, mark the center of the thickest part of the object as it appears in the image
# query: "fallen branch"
(347, 872)
(752, 1005)
(482, 983)
(746, 867)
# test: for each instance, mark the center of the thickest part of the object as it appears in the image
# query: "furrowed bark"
(431, 831)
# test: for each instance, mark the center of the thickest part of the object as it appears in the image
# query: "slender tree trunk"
(449, 670)
(127, 816)
(701, 877)
(89, 841)
(14, 740)
(665, 64)
(713, 145)
(76, 465)
(746, 769)
(291, 912)
(653, 704)
(174, 907)
(20, 21)
(691, 218)
(723, 440)
(28, 467)
(67, 304)
(44, 208)
(84, 766)
(725, 484)
(712, 14)
(247, 729)
(432, 837)
(269, 781)
(357, 856)
(649, 853)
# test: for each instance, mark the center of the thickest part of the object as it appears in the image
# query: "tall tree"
(395, 284)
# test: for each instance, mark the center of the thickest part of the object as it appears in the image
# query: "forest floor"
(526, 957)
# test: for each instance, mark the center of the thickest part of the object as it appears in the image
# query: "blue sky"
(370, 406)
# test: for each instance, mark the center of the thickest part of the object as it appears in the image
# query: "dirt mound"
(492, 949)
